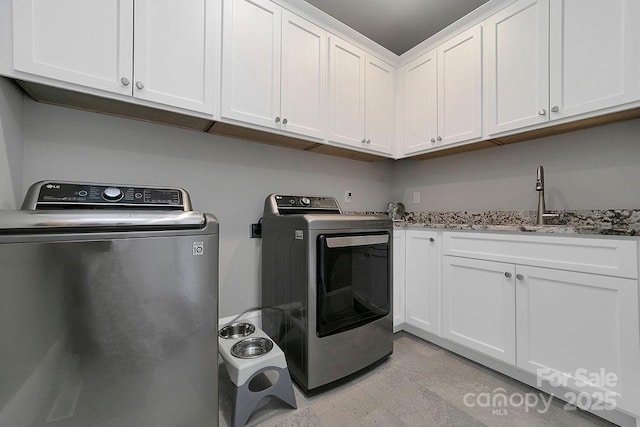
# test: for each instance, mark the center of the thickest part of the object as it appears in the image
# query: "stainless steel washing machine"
(326, 288)
(108, 308)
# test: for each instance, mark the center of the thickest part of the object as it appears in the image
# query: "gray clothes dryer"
(326, 288)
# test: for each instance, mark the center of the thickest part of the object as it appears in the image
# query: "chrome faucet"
(542, 210)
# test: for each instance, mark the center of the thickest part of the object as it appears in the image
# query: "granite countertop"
(612, 222)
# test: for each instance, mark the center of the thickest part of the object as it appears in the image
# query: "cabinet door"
(251, 61)
(86, 42)
(304, 77)
(420, 104)
(594, 55)
(478, 306)
(460, 88)
(379, 105)
(422, 280)
(175, 45)
(346, 93)
(575, 324)
(517, 66)
(398, 278)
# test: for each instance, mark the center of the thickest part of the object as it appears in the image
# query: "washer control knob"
(305, 201)
(112, 194)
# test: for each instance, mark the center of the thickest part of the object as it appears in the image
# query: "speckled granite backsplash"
(608, 222)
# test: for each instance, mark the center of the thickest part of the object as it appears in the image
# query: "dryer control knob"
(305, 201)
(112, 194)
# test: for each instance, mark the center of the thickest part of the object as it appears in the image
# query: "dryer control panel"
(288, 204)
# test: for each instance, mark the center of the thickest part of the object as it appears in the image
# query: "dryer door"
(354, 280)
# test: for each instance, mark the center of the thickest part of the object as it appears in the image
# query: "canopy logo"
(499, 401)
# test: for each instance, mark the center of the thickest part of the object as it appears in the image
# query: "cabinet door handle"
(439, 138)
(277, 119)
(520, 276)
(433, 140)
(285, 121)
(368, 141)
(555, 109)
(431, 239)
(507, 275)
(542, 112)
(364, 141)
(139, 85)
(125, 81)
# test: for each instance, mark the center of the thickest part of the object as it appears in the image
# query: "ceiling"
(397, 25)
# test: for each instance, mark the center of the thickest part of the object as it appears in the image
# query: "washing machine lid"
(62, 221)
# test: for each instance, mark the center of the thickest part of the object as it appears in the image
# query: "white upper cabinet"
(379, 105)
(346, 92)
(91, 43)
(174, 53)
(460, 88)
(594, 55)
(551, 59)
(361, 98)
(420, 103)
(273, 68)
(86, 42)
(304, 77)
(517, 64)
(251, 61)
(442, 94)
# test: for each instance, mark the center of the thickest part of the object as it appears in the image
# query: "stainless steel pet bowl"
(236, 330)
(251, 348)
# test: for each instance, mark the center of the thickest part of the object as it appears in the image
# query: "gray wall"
(227, 177)
(11, 125)
(589, 169)
(596, 168)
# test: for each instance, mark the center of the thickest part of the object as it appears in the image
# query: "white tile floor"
(419, 385)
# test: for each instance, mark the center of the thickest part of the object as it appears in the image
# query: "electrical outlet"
(347, 196)
(256, 231)
(416, 197)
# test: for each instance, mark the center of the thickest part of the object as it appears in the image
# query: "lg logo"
(198, 248)
(55, 186)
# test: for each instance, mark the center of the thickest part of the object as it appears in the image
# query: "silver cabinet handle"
(520, 276)
(125, 81)
(368, 141)
(507, 275)
(439, 138)
(433, 140)
(542, 112)
(431, 239)
(364, 141)
(277, 119)
(555, 109)
(139, 85)
(285, 121)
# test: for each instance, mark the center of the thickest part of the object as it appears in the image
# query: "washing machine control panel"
(67, 195)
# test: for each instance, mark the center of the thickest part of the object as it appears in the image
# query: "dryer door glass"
(354, 280)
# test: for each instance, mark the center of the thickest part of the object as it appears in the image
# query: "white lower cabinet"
(398, 278)
(478, 306)
(422, 280)
(573, 326)
(565, 309)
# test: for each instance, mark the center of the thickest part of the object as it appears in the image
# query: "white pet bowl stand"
(243, 371)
